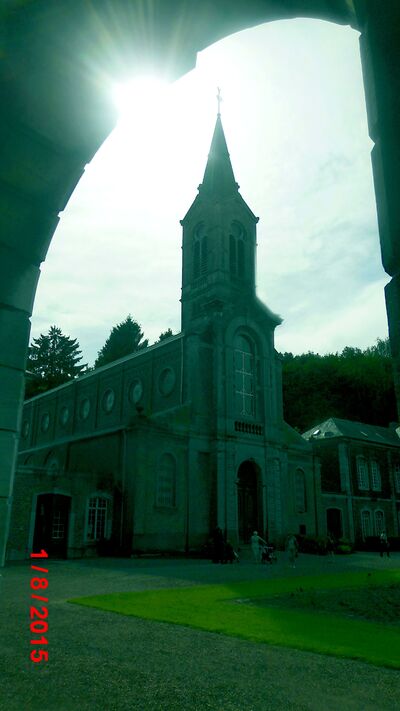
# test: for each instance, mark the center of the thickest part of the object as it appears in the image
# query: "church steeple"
(219, 180)
(219, 240)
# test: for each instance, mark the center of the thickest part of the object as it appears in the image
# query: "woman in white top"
(256, 546)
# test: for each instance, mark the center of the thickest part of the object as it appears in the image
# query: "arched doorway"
(334, 523)
(51, 524)
(248, 500)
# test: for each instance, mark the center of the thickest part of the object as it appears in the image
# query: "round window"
(166, 381)
(84, 408)
(64, 415)
(108, 400)
(45, 422)
(135, 391)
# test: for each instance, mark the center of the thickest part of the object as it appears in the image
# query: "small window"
(300, 491)
(366, 528)
(375, 476)
(166, 482)
(97, 518)
(379, 522)
(396, 476)
(362, 474)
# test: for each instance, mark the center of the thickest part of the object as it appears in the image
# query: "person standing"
(384, 546)
(218, 546)
(292, 549)
(256, 546)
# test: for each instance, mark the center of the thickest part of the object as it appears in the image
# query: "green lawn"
(212, 608)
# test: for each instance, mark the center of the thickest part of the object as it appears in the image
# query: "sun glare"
(139, 97)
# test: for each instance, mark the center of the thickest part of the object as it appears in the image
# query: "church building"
(155, 450)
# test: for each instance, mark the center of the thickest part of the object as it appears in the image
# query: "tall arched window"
(362, 473)
(300, 491)
(379, 522)
(166, 481)
(200, 252)
(376, 481)
(237, 252)
(366, 527)
(244, 377)
(98, 518)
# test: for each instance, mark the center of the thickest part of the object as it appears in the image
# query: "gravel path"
(99, 660)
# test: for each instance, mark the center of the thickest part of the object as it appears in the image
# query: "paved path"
(102, 661)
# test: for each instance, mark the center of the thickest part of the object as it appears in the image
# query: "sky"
(294, 117)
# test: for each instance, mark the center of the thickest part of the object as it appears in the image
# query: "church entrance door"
(248, 511)
(334, 523)
(51, 524)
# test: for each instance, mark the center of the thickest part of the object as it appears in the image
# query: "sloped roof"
(335, 427)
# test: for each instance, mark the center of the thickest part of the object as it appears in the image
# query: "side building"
(154, 451)
(360, 479)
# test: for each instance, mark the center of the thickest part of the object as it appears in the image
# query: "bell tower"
(219, 240)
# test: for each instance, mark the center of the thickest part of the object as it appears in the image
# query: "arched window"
(379, 522)
(244, 377)
(237, 252)
(362, 473)
(166, 481)
(366, 527)
(376, 481)
(200, 252)
(98, 515)
(396, 475)
(300, 491)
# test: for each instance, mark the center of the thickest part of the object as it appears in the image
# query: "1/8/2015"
(39, 614)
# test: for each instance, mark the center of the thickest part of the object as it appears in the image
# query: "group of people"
(222, 550)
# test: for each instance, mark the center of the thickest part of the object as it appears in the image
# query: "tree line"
(54, 358)
(354, 384)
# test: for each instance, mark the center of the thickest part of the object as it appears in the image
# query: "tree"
(53, 359)
(125, 338)
(353, 385)
(165, 334)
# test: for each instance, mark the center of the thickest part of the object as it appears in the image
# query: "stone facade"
(360, 479)
(155, 450)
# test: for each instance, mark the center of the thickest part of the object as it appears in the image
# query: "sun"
(140, 98)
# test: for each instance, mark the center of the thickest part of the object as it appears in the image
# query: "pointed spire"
(218, 179)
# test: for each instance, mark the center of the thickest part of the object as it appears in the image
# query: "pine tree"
(125, 338)
(165, 334)
(53, 359)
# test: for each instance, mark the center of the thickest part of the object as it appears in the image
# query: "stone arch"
(56, 118)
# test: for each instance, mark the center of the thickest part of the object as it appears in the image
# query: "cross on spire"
(219, 99)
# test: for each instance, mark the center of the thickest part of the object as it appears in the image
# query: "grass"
(212, 608)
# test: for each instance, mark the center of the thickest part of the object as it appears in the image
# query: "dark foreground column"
(380, 53)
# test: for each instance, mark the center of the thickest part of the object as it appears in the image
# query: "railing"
(248, 427)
